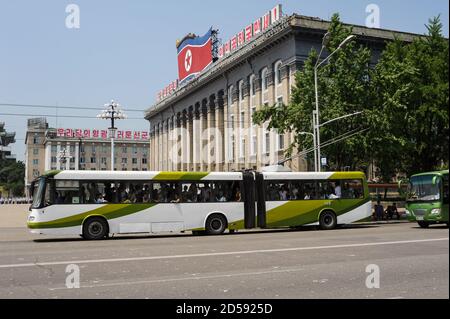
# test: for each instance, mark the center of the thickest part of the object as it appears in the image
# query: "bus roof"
(142, 176)
(439, 173)
(314, 176)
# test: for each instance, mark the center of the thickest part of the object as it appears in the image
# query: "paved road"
(413, 263)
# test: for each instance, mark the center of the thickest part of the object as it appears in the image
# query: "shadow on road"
(301, 229)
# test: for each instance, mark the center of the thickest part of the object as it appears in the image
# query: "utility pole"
(112, 112)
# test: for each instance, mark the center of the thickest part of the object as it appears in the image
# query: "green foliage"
(410, 117)
(344, 88)
(12, 176)
(404, 99)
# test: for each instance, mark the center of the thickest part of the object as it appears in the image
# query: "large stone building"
(206, 125)
(88, 149)
(6, 138)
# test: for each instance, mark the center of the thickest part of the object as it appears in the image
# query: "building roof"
(276, 31)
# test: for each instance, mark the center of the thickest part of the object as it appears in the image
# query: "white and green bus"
(97, 204)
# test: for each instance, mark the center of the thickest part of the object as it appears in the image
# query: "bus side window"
(67, 192)
(445, 189)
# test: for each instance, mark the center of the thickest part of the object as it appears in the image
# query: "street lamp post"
(63, 156)
(315, 147)
(316, 115)
(112, 112)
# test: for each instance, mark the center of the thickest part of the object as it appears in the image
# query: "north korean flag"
(194, 55)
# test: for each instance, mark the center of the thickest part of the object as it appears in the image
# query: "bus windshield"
(422, 188)
(38, 192)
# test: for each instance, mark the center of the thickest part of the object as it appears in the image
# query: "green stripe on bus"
(298, 213)
(347, 175)
(177, 176)
(108, 211)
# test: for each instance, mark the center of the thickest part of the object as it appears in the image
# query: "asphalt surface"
(413, 263)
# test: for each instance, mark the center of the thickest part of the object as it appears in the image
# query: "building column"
(210, 146)
(203, 136)
(77, 156)
(190, 140)
(226, 131)
(178, 149)
(185, 141)
(220, 140)
(48, 156)
(68, 159)
(157, 153)
(58, 161)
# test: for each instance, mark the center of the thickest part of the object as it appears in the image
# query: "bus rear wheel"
(328, 220)
(95, 228)
(216, 224)
(423, 224)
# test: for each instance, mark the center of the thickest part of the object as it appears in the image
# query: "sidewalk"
(13, 216)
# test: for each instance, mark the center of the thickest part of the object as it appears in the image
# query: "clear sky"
(125, 50)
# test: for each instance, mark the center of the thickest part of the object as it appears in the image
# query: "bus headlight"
(408, 213)
(436, 212)
(31, 218)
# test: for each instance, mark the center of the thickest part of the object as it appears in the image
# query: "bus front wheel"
(95, 228)
(328, 220)
(424, 224)
(216, 224)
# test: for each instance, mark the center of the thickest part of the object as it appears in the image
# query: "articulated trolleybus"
(97, 204)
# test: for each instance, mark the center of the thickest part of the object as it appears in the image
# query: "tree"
(12, 176)
(344, 88)
(410, 118)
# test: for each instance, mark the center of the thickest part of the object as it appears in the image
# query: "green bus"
(427, 198)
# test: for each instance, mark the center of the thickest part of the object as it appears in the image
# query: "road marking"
(113, 260)
(183, 279)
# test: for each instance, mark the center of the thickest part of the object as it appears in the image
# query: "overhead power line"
(64, 107)
(63, 116)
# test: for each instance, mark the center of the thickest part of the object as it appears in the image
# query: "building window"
(54, 149)
(135, 150)
(144, 161)
(280, 142)
(124, 160)
(36, 139)
(144, 169)
(82, 148)
(280, 101)
(134, 161)
(94, 148)
(72, 149)
(241, 91)
(82, 160)
(278, 72)
(252, 85)
(242, 144)
(35, 161)
(135, 169)
(93, 160)
(54, 159)
(35, 151)
(230, 96)
(254, 144)
(267, 142)
(35, 173)
(103, 160)
(124, 150)
(264, 86)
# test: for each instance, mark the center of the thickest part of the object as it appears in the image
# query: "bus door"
(249, 200)
(260, 200)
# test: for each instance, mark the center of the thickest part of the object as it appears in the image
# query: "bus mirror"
(401, 184)
(435, 180)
